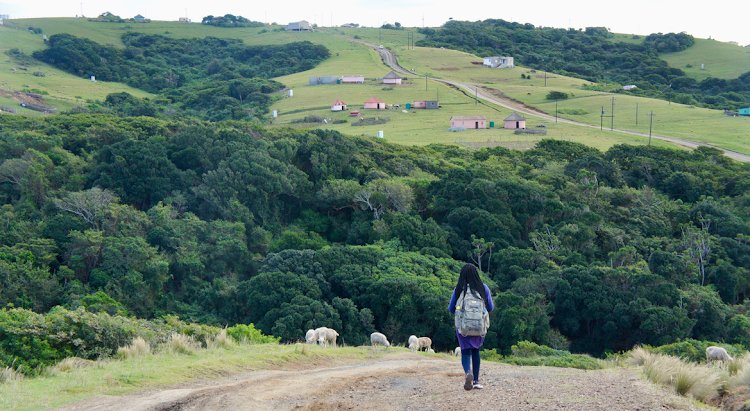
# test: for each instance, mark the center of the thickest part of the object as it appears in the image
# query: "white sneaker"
(477, 386)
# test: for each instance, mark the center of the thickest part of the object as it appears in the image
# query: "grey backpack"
(472, 317)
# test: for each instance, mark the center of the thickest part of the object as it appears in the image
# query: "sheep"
(327, 337)
(310, 336)
(717, 354)
(315, 336)
(425, 342)
(413, 343)
(379, 339)
(430, 351)
(457, 352)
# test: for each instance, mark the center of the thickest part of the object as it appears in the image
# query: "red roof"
(374, 100)
(339, 103)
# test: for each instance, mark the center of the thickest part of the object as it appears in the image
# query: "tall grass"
(221, 340)
(181, 344)
(9, 374)
(139, 347)
(686, 378)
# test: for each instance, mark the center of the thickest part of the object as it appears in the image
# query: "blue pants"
(470, 356)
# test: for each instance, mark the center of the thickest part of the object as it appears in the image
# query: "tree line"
(209, 78)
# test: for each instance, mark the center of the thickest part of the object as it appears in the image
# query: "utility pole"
(650, 127)
(425, 82)
(612, 124)
(476, 95)
(636, 114)
(555, 111)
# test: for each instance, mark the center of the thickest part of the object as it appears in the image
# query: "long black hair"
(469, 280)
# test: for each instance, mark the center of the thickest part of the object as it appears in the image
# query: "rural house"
(744, 111)
(184, 20)
(338, 106)
(515, 121)
(430, 104)
(475, 122)
(392, 78)
(353, 79)
(318, 80)
(375, 103)
(299, 26)
(498, 62)
(139, 18)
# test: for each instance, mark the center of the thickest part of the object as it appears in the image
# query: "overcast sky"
(724, 21)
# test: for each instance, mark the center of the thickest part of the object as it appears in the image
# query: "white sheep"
(315, 336)
(457, 352)
(310, 336)
(327, 337)
(425, 342)
(379, 339)
(413, 339)
(413, 347)
(430, 351)
(717, 354)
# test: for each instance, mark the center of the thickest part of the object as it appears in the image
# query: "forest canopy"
(230, 223)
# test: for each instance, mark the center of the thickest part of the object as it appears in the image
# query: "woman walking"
(471, 288)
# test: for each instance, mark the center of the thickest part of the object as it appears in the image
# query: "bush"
(557, 95)
(247, 334)
(181, 344)
(139, 347)
(529, 349)
(693, 350)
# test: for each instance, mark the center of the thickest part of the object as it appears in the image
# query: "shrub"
(247, 334)
(557, 95)
(221, 340)
(529, 349)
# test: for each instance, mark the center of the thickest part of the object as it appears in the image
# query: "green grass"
(722, 60)
(162, 370)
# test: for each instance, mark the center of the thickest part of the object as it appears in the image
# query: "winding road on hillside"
(405, 381)
(486, 94)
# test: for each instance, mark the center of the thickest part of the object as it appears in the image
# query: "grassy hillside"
(422, 127)
(722, 60)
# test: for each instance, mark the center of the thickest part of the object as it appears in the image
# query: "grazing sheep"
(327, 337)
(310, 336)
(717, 354)
(413, 347)
(457, 352)
(430, 351)
(413, 340)
(425, 342)
(379, 339)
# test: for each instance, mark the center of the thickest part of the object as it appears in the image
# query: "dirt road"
(494, 97)
(405, 381)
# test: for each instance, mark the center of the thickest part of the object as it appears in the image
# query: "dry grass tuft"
(181, 344)
(687, 378)
(9, 374)
(139, 347)
(221, 340)
(72, 363)
(637, 356)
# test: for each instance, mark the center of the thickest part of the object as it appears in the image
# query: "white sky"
(724, 20)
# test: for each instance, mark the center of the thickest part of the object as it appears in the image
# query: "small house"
(299, 26)
(375, 103)
(498, 62)
(392, 78)
(138, 17)
(318, 80)
(475, 122)
(184, 20)
(515, 121)
(429, 104)
(352, 79)
(350, 25)
(338, 106)
(744, 111)
(629, 87)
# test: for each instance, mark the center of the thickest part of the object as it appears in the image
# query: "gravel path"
(406, 381)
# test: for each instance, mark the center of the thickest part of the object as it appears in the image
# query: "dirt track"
(406, 381)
